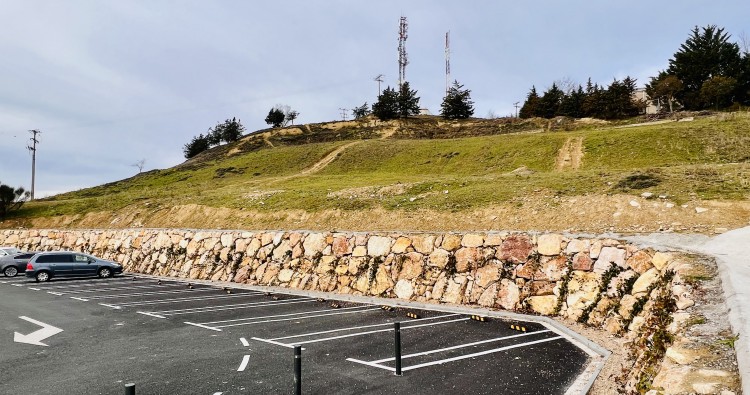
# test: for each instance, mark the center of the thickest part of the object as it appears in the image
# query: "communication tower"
(402, 58)
(447, 61)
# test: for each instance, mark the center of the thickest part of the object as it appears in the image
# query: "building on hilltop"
(651, 106)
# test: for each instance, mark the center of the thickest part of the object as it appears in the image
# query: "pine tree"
(457, 103)
(408, 102)
(705, 54)
(361, 111)
(530, 108)
(572, 103)
(275, 117)
(231, 130)
(197, 145)
(387, 105)
(549, 104)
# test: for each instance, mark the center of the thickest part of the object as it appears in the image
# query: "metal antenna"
(32, 148)
(402, 58)
(516, 106)
(343, 113)
(379, 79)
(447, 61)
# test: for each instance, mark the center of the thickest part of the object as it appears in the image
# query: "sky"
(110, 83)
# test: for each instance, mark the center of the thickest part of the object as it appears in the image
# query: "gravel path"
(732, 253)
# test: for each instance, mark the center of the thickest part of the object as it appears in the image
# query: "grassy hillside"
(427, 163)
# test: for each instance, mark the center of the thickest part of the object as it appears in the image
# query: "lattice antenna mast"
(447, 61)
(402, 58)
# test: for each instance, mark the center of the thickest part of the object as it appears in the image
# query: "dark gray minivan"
(45, 265)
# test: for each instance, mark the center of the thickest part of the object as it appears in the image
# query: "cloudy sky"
(111, 82)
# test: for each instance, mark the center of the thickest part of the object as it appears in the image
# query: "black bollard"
(397, 330)
(130, 389)
(297, 370)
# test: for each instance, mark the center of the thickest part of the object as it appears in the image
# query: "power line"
(32, 149)
(344, 112)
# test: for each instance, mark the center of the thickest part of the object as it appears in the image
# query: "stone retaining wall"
(602, 282)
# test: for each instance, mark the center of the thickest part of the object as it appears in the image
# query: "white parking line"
(188, 299)
(244, 363)
(151, 314)
(273, 342)
(17, 285)
(203, 326)
(55, 293)
(210, 309)
(111, 306)
(462, 346)
(281, 315)
(81, 299)
(244, 342)
(362, 327)
(115, 289)
(34, 289)
(453, 359)
(379, 330)
(84, 282)
(152, 293)
(297, 318)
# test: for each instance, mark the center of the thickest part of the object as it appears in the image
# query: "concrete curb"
(581, 385)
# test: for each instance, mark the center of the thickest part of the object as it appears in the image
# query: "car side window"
(80, 258)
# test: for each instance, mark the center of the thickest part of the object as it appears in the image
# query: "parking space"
(348, 347)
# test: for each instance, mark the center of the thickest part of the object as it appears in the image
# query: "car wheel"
(10, 271)
(42, 277)
(105, 272)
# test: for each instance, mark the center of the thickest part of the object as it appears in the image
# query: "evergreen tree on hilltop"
(457, 103)
(530, 108)
(549, 104)
(386, 107)
(619, 99)
(408, 102)
(275, 117)
(705, 54)
(572, 103)
(229, 131)
(361, 111)
(197, 145)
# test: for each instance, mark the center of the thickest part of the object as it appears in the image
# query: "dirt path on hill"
(570, 155)
(321, 164)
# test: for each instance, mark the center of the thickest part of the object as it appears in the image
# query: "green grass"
(708, 158)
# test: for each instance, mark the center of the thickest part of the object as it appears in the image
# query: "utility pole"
(516, 106)
(32, 147)
(379, 80)
(343, 113)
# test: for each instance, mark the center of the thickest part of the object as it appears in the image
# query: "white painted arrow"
(37, 336)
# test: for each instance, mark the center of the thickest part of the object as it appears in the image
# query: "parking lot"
(171, 336)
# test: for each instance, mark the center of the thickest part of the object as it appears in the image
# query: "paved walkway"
(732, 253)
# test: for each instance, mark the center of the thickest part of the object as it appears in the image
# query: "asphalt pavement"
(92, 336)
